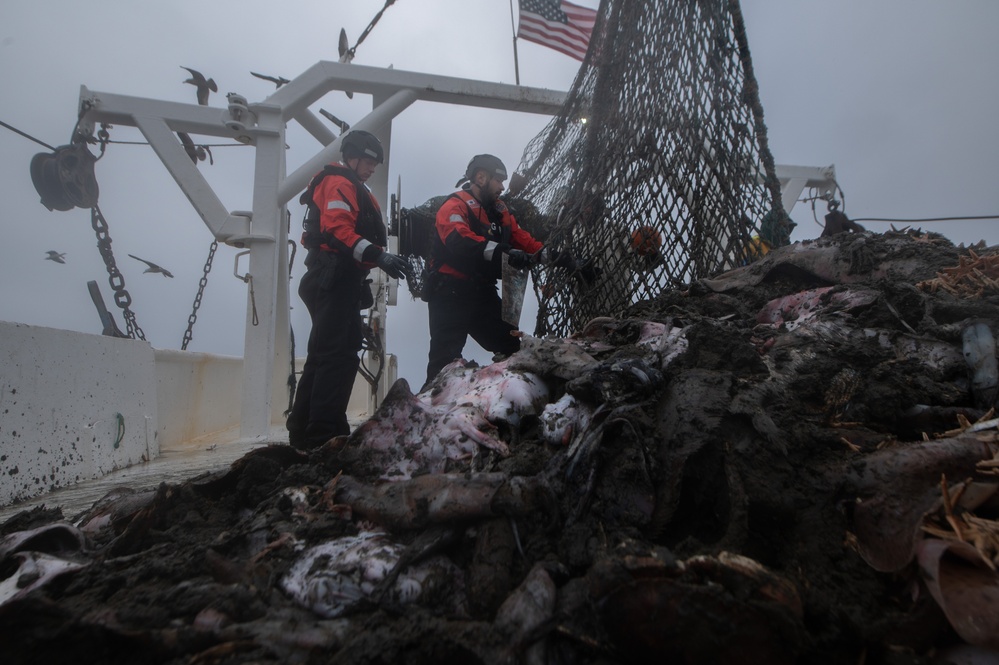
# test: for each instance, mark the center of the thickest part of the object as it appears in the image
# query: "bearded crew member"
(345, 237)
(474, 229)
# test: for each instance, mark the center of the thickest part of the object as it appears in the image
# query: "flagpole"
(516, 64)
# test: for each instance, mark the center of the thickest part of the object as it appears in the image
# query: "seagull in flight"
(276, 80)
(346, 54)
(203, 85)
(152, 267)
(56, 256)
(343, 48)
(195, 152)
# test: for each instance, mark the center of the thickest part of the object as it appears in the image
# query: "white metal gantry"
(263, 230)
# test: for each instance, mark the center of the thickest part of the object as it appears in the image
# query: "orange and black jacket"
(350, 221)
(470, 240)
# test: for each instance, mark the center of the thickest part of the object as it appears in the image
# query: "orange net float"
(646, 241)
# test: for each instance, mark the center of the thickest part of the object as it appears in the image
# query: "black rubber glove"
(518, 258)
(394, 266)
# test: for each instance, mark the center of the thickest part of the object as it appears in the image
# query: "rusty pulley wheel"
(65, 178)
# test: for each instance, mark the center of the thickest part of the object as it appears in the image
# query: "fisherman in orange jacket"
(474, 229)
(346, 237)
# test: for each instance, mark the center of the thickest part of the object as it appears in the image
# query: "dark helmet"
(489, 163)
(360, 143)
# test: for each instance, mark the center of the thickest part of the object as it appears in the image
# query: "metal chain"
(115, 278)
(189, 333)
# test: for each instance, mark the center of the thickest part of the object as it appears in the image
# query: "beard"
(486, 197)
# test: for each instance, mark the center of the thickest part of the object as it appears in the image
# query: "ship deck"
(171, 466)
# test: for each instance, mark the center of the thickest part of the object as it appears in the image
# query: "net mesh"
(657, 167)
(656, 171)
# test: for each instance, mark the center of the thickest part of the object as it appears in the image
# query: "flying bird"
(195, 152)
(56, 256)
(346, 54)
(203, 85)
(276, 80)
(335, 120)
(152, 267)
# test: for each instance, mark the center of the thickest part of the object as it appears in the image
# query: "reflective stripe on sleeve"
(359, 248)
(490, 249)
(456, 218)
(338, 205)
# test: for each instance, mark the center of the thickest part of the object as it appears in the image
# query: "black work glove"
(561, 259)
(518, 258)
(394, 266)
(588, 271)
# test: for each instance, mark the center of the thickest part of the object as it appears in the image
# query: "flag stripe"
(581, 16)
(564, 27)
(564, 46)
(544, 31)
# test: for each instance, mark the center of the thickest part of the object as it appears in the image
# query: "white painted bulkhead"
(76, 406)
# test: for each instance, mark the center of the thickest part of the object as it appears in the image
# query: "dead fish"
(54, 538)
(340, 575)
(438, 498)
(560, 420)
(501, 394)
(980, 354)
(35, 570)
(934, 354)
(796, 309)
(524, 611)
(334, 577)
(428, 543)
(406, 436)
(559, 358)
(287, 637)
(114, 510)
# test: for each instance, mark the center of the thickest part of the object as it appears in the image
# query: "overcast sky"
(900, 96)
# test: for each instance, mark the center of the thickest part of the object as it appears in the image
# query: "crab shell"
(728, 609)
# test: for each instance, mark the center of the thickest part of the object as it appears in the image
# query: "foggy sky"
(900, 96)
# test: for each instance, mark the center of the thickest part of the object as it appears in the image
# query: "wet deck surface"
(172, 466)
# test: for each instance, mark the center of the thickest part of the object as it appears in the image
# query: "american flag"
(557, 24)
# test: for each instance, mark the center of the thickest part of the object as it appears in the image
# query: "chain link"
(189, 333)
(115, 278)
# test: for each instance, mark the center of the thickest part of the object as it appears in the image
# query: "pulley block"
(65, 178)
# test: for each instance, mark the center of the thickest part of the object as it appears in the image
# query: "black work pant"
(333, 300)
(459, 308)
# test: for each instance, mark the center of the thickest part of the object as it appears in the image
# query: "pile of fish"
(795, 461)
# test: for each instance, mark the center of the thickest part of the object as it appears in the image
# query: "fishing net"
(657, 167)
